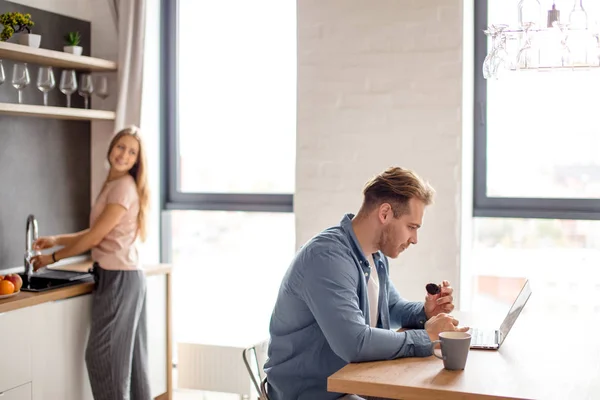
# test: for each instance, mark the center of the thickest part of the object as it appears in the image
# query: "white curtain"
(130, 21)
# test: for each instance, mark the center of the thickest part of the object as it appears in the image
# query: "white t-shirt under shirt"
(373, 294)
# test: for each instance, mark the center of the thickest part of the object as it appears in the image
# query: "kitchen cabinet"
(61, 330)
(58, 351)
(16, 335)
(44, 336)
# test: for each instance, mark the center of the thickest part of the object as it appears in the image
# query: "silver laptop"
(493, 339)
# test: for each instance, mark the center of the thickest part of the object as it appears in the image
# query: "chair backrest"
(255, 358)
(261, 352)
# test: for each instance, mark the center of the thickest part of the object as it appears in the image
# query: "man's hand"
(442, 323)
(441, 302)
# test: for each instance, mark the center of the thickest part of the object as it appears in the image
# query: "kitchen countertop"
(27, 299)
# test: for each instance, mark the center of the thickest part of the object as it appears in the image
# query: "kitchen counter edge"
(28, 299)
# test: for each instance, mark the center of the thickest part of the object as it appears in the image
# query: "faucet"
(31, 235)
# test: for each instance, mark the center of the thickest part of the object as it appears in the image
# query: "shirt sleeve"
(122, 193)
(329, 289)
(407, 314)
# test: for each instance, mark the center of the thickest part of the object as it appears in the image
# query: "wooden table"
(543, 357)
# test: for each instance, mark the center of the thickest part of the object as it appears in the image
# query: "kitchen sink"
(53, 279)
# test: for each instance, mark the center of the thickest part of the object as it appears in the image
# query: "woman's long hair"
(139, 174)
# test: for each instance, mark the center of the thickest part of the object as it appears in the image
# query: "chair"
(258, 355)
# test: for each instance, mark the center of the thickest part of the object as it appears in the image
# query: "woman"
(116, 354)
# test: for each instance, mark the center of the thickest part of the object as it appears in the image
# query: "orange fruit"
(16, 280)
(6, 287)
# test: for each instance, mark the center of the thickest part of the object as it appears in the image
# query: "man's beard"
(386, 244)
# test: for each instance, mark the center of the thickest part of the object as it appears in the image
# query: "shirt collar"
(346, 224)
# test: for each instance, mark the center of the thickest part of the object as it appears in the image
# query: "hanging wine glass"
(564, 50)
(45, 81)
(492, 34)
(595, 47)
(68, 84)
(20, 79)
(527, 57)
(501, 58)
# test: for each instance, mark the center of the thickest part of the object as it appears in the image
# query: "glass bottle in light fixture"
(553, 16)
(530, 12)
(579, 40)
(578, 18)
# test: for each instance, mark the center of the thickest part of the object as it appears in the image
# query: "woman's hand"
(45, 242)
(41, 261)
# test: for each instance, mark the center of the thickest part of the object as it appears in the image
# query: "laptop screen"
(514, 311)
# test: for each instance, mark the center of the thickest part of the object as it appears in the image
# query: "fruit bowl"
(6, 296)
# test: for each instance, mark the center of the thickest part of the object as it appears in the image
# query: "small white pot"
(77, 50)
(30, 39)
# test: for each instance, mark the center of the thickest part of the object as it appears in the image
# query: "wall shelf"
(54, 58)
(26, 110)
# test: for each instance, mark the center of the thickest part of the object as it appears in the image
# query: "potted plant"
(15, 22)
(72, 40)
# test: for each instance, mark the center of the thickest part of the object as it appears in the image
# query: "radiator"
(213, 368)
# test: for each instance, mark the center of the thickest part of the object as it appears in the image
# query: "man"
(336, 304)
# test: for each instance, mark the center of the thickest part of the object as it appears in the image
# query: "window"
(229, 265)
(560, 257)
(536, 136)
(537, 181)
(230, 81)
(229, 122)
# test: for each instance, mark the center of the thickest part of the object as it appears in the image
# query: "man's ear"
(385, 211)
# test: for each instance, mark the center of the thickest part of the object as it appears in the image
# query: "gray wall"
(44, 163)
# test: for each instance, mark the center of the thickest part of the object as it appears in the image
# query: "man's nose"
(413, 239)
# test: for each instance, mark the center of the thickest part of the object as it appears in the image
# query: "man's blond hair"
(396, 186)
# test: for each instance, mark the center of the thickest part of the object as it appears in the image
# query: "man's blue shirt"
(320, 321)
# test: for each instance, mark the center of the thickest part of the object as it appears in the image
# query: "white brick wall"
(380, 84)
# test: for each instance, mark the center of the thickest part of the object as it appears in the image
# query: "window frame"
(509, 207)
(172, 198)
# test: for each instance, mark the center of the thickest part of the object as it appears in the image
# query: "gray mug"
(455, 349)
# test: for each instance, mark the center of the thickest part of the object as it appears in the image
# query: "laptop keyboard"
(482, 336)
